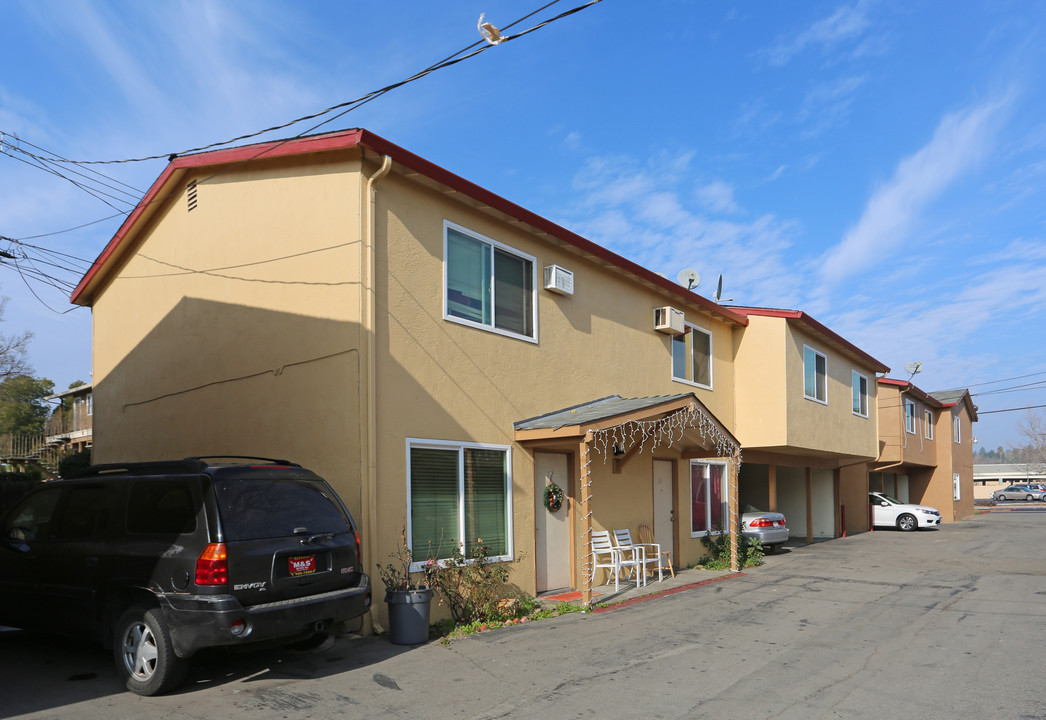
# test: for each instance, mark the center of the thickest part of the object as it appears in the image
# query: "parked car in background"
(767, 527)
(890, 512)
(158, 560)
(1019, 492)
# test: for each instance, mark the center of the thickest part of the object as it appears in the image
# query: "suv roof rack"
(169, 467)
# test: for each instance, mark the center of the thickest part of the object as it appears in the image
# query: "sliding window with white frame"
(458, 494)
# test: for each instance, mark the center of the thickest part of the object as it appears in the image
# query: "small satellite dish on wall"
(914, 368)
(689, 278)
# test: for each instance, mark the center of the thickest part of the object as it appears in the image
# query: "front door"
(664, 528)
(551, 529)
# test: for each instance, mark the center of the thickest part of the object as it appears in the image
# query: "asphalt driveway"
(925, 624)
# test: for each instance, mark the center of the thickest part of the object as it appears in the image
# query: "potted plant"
(408, 595)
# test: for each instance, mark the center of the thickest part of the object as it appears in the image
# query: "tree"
(1033, 428)
(23, 410)
(13, 350)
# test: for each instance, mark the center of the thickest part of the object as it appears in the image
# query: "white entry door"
(552, 530)
(664, 528)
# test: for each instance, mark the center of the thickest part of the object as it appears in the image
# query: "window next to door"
(488, 285)
(692, 357)
(458, 494)
(709, 496)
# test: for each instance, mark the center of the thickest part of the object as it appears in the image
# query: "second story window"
(860, 393)
(909, 416)
(692, 357)
(815, 375)
(488, 285)
(928, 424)
(957, 427)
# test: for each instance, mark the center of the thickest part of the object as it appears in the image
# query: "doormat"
(566, 597)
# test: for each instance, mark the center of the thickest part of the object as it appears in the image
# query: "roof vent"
(190, 195)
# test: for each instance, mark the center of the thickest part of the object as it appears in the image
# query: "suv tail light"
(212, 567)
(359, 548)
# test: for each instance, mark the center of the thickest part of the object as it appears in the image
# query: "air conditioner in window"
(669, 320)
(559, 280)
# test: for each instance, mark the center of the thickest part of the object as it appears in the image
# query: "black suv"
(161, 559)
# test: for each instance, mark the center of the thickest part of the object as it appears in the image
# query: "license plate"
(302, 564)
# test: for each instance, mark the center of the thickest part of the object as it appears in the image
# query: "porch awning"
(645, 422)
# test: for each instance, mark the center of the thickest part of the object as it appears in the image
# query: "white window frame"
(859, 384)
(448, 225)
(817, 354)
(928, 420)
(416, 566)
(724, 493)
(89, 401)
(909, 418)
(956, 486)
(957, 427)
(690, 360)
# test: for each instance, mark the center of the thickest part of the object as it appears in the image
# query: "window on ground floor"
(709, 496)
(956, 492)
(459, 494)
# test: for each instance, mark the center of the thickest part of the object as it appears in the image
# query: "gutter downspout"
(368, 459)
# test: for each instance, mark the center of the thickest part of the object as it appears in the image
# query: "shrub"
(749, 550)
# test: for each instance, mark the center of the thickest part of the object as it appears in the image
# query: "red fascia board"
(921, 394)
(818, 328)
(366, 139)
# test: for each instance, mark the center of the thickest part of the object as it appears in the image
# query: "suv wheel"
(144, 656)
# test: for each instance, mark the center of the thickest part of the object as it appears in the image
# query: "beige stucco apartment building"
(441, 354)
(343, 303)
(926, 448)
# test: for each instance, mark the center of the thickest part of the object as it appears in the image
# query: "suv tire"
(145, 659)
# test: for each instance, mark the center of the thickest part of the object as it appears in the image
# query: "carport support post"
(588, 568)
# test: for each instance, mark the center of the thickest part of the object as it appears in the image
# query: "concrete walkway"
(604, 596)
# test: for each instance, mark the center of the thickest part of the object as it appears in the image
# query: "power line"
(990, 412)
(349, 106)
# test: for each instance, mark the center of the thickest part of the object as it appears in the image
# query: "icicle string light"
(668, 431)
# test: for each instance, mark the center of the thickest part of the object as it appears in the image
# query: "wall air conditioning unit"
(559, 280)
(668, 320)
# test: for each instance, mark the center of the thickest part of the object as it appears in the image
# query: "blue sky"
(880, 165)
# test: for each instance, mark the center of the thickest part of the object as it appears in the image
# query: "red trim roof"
(364, 139)
(906, 385)
(818, 328)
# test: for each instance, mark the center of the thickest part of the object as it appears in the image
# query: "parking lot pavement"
(923, 624)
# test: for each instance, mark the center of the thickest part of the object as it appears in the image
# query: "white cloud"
(844, 24)
(717, 196)
(828, 104)
(960, 141)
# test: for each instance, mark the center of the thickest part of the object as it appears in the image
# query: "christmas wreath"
(553, 497)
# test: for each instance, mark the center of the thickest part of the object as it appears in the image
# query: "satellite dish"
(914, 368)
(719, 290)
(689, 278)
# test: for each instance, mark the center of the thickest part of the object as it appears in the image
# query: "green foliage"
(74, 462)
(749, 550)
(23, 410)
(474, 588)
(397, 575)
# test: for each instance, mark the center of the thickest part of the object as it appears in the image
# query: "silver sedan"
(1019, 492)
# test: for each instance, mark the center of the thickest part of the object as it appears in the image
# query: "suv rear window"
(160, 507)
(255, 508)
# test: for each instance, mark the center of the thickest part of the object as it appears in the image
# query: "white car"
(890, 512)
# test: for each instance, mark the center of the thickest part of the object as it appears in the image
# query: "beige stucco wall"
(440, 380)
(772, 411)
(204, 343)
(897, 444)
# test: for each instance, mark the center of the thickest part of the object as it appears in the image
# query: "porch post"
(733, 470)
(585, 493)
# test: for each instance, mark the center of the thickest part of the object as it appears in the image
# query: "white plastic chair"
(601, 546)
(632, 554)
